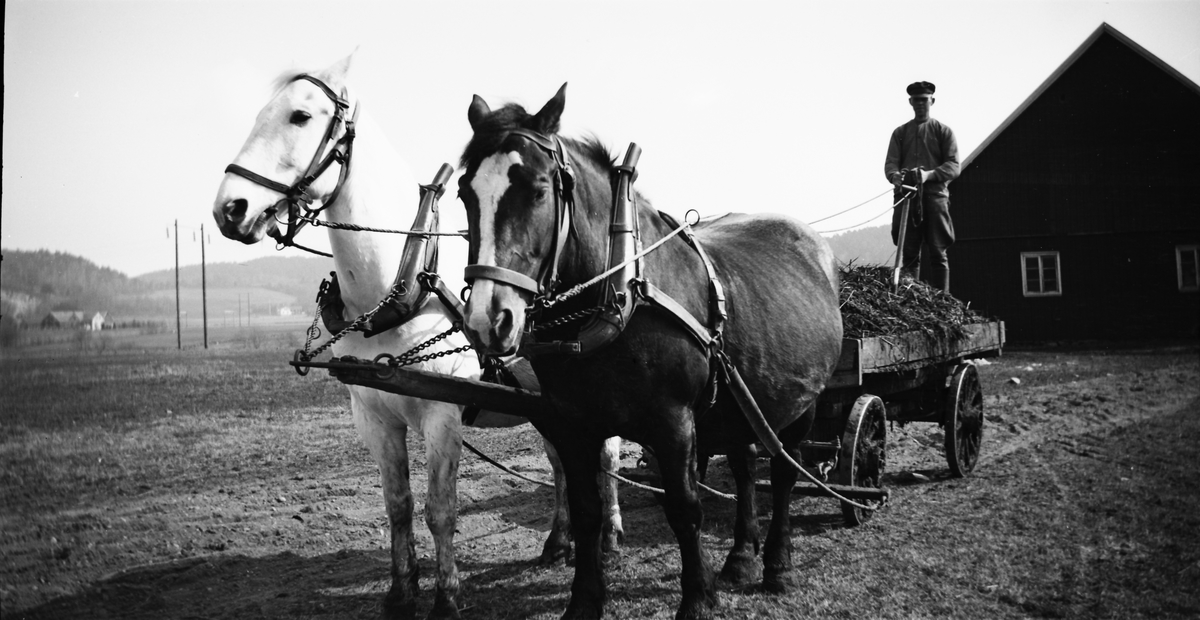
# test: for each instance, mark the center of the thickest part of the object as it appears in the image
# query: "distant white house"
(285, 311)
(92, 321)
(96, 322)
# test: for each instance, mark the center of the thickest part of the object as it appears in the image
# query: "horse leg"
(581, 463)
(558, 543)
(676, 454)
(443, 449)
(779, 575)
(741, 565)
(613, 532)
(387, 442)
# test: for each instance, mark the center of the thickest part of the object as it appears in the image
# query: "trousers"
(931, 228)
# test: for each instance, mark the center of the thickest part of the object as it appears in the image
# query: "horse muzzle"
(232, 220)
(494, 319)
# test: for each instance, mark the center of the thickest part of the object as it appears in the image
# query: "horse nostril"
(236, 209)
(504, 325)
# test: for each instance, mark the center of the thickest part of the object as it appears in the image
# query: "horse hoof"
(582, 612)
(612, 539)
(739, 571)
(399, 607)
(781, 581)
(444, 609)
(701, 610)
(555, 554)
(610, 558)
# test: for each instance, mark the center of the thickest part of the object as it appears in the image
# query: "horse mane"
(493, 129)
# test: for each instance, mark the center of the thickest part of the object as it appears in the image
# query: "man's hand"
(897, 179)
(925, 174)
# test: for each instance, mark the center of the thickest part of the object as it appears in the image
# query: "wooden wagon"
(904, 378)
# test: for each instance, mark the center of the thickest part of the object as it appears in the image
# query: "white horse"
(377, 191)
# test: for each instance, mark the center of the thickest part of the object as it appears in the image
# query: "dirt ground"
(1085, 503)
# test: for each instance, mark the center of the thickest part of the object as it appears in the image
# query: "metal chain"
(409, 358)
(358, 322)
(314, 331)
(569, 318)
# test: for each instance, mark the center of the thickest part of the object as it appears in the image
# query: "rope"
(875, 217)
(646, 487)
(850, 209)
(578, 288)
(826, 232)
(617, 477)
(501, 467)
(355, 227)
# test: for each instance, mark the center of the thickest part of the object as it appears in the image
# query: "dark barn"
(1079, 217)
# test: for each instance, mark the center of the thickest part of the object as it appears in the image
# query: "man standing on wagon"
(927, 146)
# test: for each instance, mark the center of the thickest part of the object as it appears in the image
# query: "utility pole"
(178, 326)
(203, 286)
(239, 295)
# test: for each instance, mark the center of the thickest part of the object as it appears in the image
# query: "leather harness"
(295, 196)
(622, 295)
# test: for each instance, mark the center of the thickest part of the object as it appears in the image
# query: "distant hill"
(35, 283)
(294, 276)
(865, 246)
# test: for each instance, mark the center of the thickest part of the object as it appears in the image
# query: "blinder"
(564, 225)
(295, 196)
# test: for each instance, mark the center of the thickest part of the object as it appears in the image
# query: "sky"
(121, 115)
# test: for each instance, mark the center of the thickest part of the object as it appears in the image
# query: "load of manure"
(870, 308)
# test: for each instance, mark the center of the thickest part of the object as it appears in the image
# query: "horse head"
(517, 189)
(281, 169)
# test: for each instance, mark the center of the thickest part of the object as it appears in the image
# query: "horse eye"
(300, 117)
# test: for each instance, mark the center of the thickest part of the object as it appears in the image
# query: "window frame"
(1180, 250)
(1040, 255)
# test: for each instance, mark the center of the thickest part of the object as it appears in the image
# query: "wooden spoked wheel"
(861, 460)
(963, 420)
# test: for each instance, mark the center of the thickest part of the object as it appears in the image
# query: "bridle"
(296, 196)
(564, 208)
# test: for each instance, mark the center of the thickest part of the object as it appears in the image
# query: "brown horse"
(538, 207)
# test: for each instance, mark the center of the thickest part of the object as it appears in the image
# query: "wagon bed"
(881, 355)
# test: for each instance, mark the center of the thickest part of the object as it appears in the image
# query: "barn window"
(1040, 273)
(1187, 264)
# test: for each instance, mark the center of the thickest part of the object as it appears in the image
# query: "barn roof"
(1087, 44)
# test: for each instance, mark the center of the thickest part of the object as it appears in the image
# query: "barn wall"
(1101, 168)
(1113, 287)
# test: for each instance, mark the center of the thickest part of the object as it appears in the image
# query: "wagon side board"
(884, 354)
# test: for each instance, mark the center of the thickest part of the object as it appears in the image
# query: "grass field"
(141, 481)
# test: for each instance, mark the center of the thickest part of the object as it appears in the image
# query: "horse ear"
(546, 120)
(340, 70)
(478, 110)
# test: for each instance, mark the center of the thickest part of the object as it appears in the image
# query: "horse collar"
(295, 196)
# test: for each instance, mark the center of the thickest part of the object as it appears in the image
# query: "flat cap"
(920, 88)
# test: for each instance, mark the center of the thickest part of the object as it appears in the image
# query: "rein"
(295, 196)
